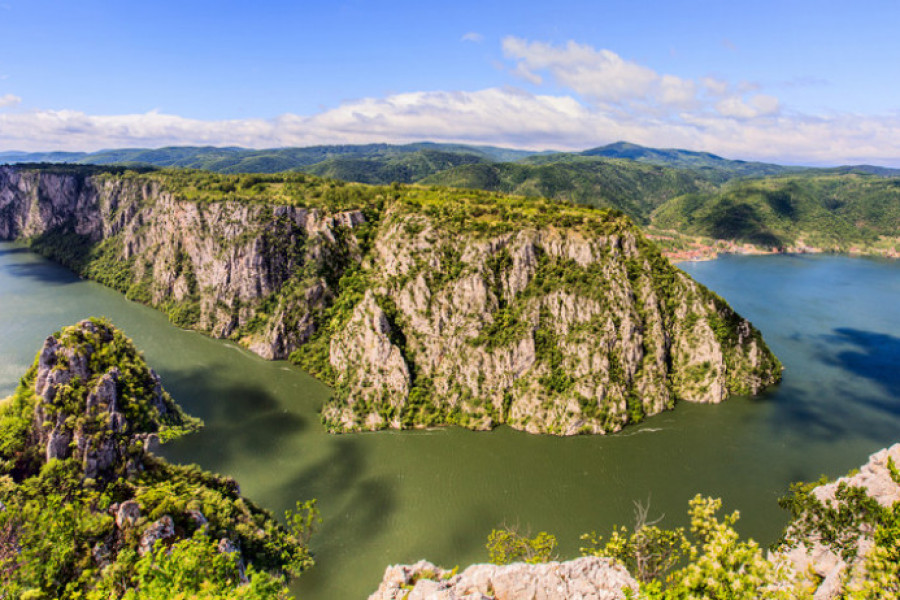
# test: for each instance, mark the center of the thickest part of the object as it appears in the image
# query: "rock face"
(811, 555)
(210, 266)
(82, 400)
(420, 307)
(544, 329)
(589, 578)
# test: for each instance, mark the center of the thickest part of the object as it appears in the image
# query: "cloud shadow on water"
(239, 418)
(830, 409)
(876, 358)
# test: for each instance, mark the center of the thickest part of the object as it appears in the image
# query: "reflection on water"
(397, 497)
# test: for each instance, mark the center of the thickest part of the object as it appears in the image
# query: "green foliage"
(722, 566)
(58, 536)
(836, 523)
(507, 546)
(648, 552)
(633, 188)
(191, 568)
(303, 521)
(830, 211)
(715, 563)
(881, 569)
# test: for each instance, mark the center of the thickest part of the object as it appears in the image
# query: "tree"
(507, 546)
(648, 552)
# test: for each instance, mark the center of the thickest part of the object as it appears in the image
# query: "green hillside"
(371, 158)
(634, 188)
(712, 165)
(402, 168)
(825, 211)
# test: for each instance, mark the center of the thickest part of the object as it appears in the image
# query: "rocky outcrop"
(546, 330)
(589, 578)
(809, 555)
(77, 469)
(82, 400)
(421, 309)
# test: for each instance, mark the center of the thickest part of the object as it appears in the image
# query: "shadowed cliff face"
(422, 307)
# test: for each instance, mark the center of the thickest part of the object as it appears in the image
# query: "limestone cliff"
(86, 507)
(421, 306)
(589, 578)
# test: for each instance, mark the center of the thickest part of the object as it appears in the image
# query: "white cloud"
(599, 74)
(9, 100)
(616, 100)
(714, 86)
(676, 91)
(504, 116)
(756, 106)
(472, 36)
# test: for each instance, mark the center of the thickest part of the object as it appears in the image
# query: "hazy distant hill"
(373, 157)
(687, 159)
(402, 168)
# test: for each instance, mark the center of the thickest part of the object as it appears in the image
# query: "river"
(393, 497)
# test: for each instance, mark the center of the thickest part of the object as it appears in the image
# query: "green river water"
(397, 497)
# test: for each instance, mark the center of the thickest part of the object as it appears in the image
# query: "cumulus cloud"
(472, 36)
(501, 116)
(756, 106)
(9, 100)
(605, 98)
(605, 78)
(599, 74)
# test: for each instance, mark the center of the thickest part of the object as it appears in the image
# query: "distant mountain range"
(274, 160)
(691, 192)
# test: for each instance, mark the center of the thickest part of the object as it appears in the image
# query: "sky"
(794, 82)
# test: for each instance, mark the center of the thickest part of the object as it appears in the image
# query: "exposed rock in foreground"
(811, 555)
(844, 542)
(589, 578)
(421, 306)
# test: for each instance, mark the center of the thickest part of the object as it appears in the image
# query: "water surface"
(397, 497)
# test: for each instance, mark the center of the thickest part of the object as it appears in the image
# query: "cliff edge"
(421, 306)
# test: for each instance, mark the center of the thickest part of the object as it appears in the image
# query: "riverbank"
(678, 247)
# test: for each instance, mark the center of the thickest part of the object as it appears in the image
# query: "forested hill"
(827, 211)
(326, 160)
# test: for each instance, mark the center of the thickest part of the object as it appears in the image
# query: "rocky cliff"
(421, 306)
(88, 511)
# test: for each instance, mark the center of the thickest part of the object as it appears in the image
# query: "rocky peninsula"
(421, 306)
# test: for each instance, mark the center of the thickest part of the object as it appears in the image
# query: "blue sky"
(798, 82)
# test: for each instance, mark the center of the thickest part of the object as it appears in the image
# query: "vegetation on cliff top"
(318, 247)
(72, 526)
(694, 192)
